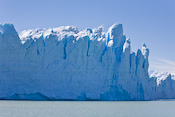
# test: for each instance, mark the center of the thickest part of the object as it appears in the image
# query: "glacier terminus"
(67, 64)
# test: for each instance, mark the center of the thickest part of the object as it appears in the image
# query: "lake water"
(87, 109)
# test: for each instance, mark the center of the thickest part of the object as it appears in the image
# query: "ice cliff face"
(66, 64)
(165, 84)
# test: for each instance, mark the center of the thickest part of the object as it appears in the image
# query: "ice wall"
(66, 64)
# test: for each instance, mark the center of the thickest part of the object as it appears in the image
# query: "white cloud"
(162, 65)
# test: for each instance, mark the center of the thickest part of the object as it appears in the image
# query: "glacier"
(67, 64)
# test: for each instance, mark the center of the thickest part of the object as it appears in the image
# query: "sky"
(144, 21)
